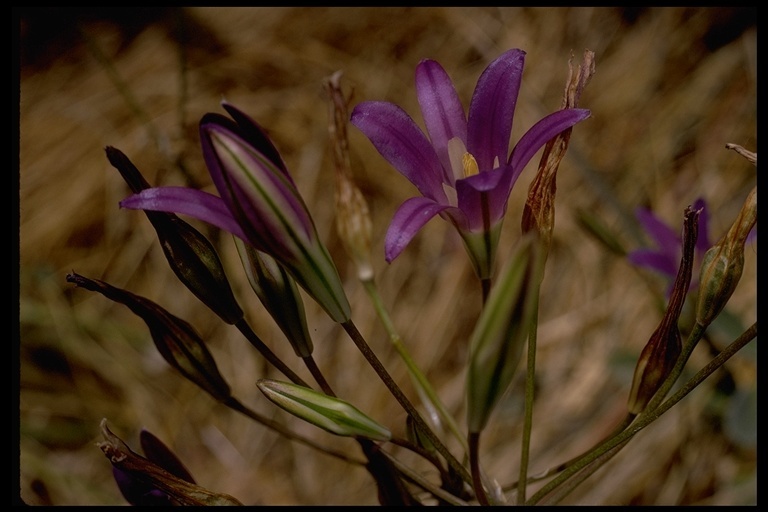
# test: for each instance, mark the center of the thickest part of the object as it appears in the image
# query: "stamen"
(470, 165)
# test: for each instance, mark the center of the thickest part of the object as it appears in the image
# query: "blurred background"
(672, 87)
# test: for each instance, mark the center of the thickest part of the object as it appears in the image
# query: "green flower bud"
(279, 294)
(723, 264)
(501, 332)
(176, 340)
(331, 414)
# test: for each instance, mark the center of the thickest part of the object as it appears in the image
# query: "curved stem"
(648, 416)
(370, 356)
(419, 379)
(270, 356)
(474, 464)
(309, 361)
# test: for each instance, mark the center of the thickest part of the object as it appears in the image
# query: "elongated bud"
(257, 189)
(278, 294)
(144, 472)
(176, 340)
(501, 332)
(723, 264)
(190, 255)
(663, 348)
(331, 414)
(353, 221)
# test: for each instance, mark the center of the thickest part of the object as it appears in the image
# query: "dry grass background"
(673, 86)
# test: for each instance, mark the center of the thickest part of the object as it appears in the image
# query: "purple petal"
(400, 141)
(260, 196)
(540, 133)
(666, 238)
(659, 261)
(481, 198)
(256, 136)
(492, 109)
(195, 203)
(408, 220)
(442, 111)
(702, 242)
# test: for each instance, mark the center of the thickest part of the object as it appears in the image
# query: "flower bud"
(278, 293)
(665, 345)
(331, 414)
(176, 340)
(190, 255)
(261, 196)
(499, 337)
(723, 264)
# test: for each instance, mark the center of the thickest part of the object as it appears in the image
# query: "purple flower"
(258, 203)
(665, 257)
(464, 170)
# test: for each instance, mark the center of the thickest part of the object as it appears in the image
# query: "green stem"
(370, 356)
(530, 384)
(648, 416)
(270, 356)
(419, 379)
(309, 361)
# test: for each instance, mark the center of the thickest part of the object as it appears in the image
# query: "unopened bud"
(190, 255)
(723, 264)
(665, 345)
(329, 413)
(279, 295)
(176, 340)
(499, 337)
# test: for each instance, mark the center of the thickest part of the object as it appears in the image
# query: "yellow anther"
(470, 165)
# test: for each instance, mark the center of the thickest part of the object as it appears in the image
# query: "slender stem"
(564, 465)
(418, 377)
(236, 405)
(582, 475)
(649, 415)
(419, 480)
(318, 375)
(421, 451)
(370, 356)
(530, 385)
(474, 464)
(270, 356)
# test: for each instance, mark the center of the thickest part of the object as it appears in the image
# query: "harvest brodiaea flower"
(259, 204)
(464, 170)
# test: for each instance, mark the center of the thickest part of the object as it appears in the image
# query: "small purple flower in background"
(464, 170)
(665, 258)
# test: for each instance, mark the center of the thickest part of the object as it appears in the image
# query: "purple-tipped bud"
(663, 348)
(176, 340)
